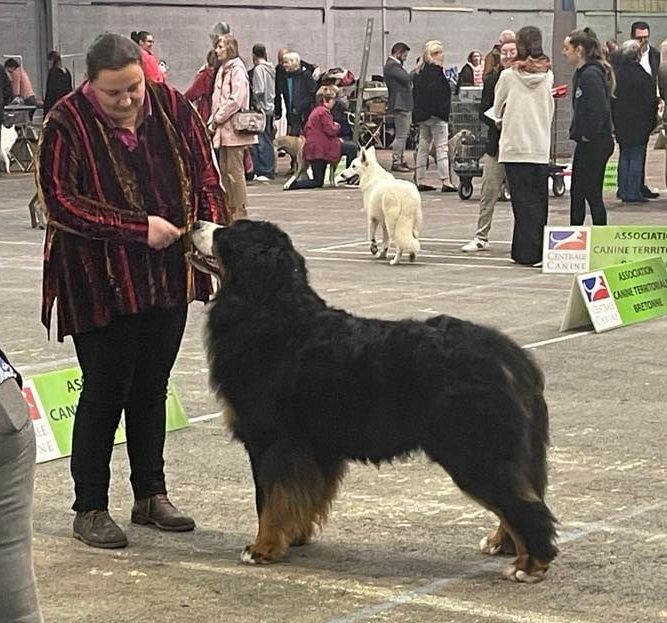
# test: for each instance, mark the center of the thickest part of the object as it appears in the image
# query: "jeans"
(126, 365)
(18, 591)
(529, 187)
(493, 176)
(630, 169)
(263, 156)
(402, 121)
(590, 160)
(435, 131)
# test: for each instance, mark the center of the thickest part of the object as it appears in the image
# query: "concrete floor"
(402, 541)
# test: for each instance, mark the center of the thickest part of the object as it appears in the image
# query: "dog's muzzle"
(203, 256)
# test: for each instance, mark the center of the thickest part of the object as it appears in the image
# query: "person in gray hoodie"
(18, 591)
(263, 86)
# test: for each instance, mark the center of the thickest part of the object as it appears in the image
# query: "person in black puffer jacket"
(592, 87)
(432, 103)
(633, 108)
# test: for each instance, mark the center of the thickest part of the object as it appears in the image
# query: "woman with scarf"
(525, 106)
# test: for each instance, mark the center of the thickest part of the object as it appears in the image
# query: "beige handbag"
(249, 122)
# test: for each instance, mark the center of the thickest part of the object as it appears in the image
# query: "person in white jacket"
(525, 106)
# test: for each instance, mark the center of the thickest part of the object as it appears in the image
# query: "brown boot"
(160, 512)
(97, 529)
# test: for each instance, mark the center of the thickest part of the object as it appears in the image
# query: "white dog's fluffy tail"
(403, 218)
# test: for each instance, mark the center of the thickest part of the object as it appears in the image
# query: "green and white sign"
(618, 295)
(581, 249)
(53, 397)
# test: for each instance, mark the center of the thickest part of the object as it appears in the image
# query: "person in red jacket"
(149, 62)
(200, 92)
(323, 146)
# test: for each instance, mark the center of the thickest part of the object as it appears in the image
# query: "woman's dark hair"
(212, 60)
(113, 52)
(139, 35)
(11, 63)
(529, 43)
(588, 41)
(54, 58)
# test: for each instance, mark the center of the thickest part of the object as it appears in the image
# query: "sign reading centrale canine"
(52, 399)
(617, 295)
(580, 249)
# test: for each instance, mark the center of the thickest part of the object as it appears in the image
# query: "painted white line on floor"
(46, 366)
(417, 595)
(205, 418)
(485, 257)
(465, 265)
(421, 240)
(21, 243)
(555, 340)
(217, 414)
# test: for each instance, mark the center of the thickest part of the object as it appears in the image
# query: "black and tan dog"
(307, 388)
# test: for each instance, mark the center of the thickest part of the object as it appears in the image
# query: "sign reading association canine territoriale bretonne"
(618, 295)
(580, 249)
(52, 399)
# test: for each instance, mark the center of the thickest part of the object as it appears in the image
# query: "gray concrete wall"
(328, 32)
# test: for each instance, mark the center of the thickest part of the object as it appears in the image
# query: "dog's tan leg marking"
(498, 542)
(292, 513)
(525, 568)
(228, 414)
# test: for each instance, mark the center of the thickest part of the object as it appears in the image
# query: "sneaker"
(448, 189)
(537, 265)
(476, 244)
(261, 178)
(97, 529)
(422, 188)
(288, 184)
(158, 511)
(400, 168)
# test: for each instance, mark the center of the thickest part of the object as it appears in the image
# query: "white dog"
(8, 137)
(393, 204)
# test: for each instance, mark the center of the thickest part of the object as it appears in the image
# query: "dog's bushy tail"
(400, 217)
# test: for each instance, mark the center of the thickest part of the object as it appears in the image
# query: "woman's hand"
(161, 233)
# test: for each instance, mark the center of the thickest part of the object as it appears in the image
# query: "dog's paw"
(374, 247)
(383, 254)
(251, 555)
(412, 257)
(519, 575)
(487, 546)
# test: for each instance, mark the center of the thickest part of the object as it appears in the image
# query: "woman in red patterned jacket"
(125, 168)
